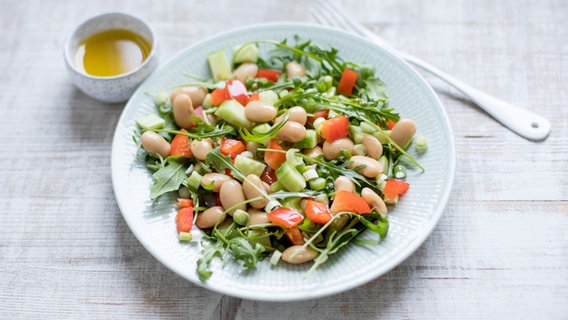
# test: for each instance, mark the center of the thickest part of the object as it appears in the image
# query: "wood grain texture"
(499, 252)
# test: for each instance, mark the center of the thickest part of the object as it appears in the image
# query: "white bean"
(200, 148)
(230, 194)
(154, 143)
(297, 254)
(372, 167)
(403, 131)
(209, 217)
(183, 111)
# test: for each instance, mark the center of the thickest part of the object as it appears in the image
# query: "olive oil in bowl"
(111, 53)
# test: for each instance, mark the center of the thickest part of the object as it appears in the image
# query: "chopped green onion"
(275, 258)
(384, 161)
(194, 180)
(293, 159)
(185, 236)
(400, 171)
(207, 102)
(317, 125)
(420, 144)
(161, 98)
(382, 178)
(241, 217)
(310, 175)
(271, 205)
(317, 184)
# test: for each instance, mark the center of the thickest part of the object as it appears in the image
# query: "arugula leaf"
(210, 251)
(376, 89)
(168, 178)
(260, 137)
(219, 162)
(244, 251)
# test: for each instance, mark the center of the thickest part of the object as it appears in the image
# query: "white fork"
(525, 123)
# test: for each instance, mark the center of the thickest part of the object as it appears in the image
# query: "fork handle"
(521, 121)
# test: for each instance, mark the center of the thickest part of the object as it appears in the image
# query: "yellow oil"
(112, 52)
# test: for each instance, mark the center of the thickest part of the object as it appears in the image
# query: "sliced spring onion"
(400, 171)
(310, 175)
(185, 236)
(420, 144)
(161, 97)
(275, 258)
(293, 159)
(241, 217)
(271, 205)
(317, 125)
(317, 184)
(194, 180)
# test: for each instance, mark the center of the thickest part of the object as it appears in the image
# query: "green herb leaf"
(168, 178)
(244, 251)
(260, 137)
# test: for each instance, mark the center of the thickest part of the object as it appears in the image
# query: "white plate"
(411, 221)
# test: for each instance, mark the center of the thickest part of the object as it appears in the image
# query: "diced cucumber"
(261, 128)
(247, 165)
(150, 122)
(367, 128)
(269, 97)
(245, 53)
(234, 113)
(356, 133)
(292, 203)
(276, 186)
(310, 141)
(194, 180)
(290, 178)
(219, 65)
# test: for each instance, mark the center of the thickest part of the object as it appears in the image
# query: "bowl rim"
(67, 48)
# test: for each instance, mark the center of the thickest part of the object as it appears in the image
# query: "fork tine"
(348, 21)
(335, 15)
(326, 15)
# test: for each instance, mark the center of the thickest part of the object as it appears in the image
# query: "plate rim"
(408, 251)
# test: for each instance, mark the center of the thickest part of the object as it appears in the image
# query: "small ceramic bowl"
(114, 88)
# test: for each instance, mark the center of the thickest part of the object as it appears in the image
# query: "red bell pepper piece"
(274, 159)
(347, 82)
(232, 147)
(295, 236)
(395, 187)
(391, 124)
(180, 146)
(184, 219)
(350, 202)
(285, 217)
(318, 212)
(271, 75)
(237, 90)
(318, 114)
(218, 96)
(185, 203)
(335, 128)
(254, 97)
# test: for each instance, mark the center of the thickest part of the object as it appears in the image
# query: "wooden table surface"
(500, 251)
